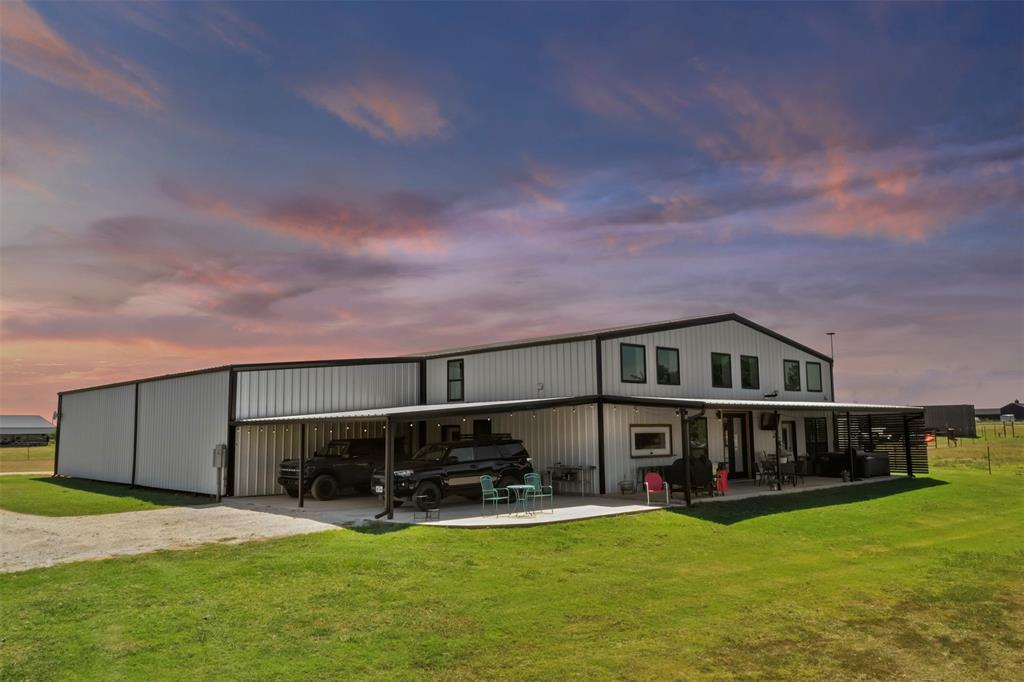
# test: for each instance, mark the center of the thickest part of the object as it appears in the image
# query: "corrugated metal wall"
(181, 420)
(565, 434)
(97, 431)
(619, 466)
(695, 346)
(307, 390)
(564, 369)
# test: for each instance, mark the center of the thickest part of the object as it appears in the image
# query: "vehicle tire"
(509, 479)
(324, 488)
(291, 490)
(431, 491)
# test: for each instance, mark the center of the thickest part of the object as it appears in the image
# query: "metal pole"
(988, 448)
(907, 447)
(686, 458)
(778, 467)
(389, 469)
(302, 465)
(849, 443)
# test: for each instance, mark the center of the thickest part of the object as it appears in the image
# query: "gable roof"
(24, 423)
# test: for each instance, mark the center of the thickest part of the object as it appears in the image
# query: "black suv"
(337, 465)
(454, 468)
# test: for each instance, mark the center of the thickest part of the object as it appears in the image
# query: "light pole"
(831, 344)
(831, 365)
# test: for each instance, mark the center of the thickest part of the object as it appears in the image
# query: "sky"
(186, 185)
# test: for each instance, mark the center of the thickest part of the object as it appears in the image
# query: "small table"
(426, 514)
(521, 504)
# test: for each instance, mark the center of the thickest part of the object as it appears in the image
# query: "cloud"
(232, 29)
(384, 108)
(403, 220)
(32, 46)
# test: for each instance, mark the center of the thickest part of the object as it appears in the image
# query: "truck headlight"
(404, 472)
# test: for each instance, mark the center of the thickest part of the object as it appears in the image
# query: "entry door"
(450, 432)
(734, 433)
(787, 433)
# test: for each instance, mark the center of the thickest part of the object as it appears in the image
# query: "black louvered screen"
(888, 433)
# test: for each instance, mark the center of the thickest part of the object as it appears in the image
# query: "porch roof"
(413, 412)
(767, 405)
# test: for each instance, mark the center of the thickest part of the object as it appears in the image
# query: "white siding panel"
(696, 344)
(566, 434)
(181, 420)
(564, 369)
(97, 434)
(305, 390)
(619, 466)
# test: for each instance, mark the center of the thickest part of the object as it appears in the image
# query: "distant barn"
(941, 418)
(24, 429)
(1015, 408)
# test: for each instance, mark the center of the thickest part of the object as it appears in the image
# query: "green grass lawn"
(919, 579)
(27, 459)
(47, 496)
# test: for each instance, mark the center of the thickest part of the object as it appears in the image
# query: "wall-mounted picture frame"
(650, 440)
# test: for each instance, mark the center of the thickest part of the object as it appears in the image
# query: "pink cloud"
(32, 46)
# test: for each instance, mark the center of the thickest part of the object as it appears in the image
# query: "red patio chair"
(723, 481)
(655, 485)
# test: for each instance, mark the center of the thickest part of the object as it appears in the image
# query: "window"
(721, 370)
(816, 435)
(650, 440)
(750, 374)
(463, 454)
(510, 450)
(484, 452)
(455, 380)
(634, 363)
(814, 376)
(668, 366)
(791, 374)
(698, 435)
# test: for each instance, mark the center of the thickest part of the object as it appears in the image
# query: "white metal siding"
(260, 449)
(565, 434)
(306, 390)
(96, 434)
(564, 369)
(696, 344)
(619, 466)
(181, 420)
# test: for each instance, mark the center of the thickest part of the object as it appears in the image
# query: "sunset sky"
(187, 185)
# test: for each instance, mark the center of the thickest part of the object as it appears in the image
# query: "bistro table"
(522, 501)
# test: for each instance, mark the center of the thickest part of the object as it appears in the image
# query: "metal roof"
(17, 424)
(421, 411)
(765, 404)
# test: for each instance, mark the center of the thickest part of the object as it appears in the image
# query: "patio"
(459, 513)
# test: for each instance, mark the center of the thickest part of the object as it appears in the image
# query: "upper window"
(750, 374)
(791, 374)
(668, 366)
(634, 363)
(721, 370)
(455, 380)
(814, 376)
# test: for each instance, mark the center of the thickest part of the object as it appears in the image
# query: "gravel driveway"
(28, 541)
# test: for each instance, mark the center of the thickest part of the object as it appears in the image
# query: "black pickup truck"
(340, 464)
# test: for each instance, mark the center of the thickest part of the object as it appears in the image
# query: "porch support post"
(849, 444)
(778, 467)
(686, 457)
(302, 465)
(389, 468)
(906, 446)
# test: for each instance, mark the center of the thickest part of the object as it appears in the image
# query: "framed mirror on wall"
(650, 440)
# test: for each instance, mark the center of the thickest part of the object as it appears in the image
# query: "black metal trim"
(785, 387)
(807, 377)
(757, 378)
(56, 433)
(599, 361)
(129, 382)
(726, 355)
(831, 381)
(230, 464)
(685, 436)
(679, 367)
(622, 378)
(135, 435)
(461, 380)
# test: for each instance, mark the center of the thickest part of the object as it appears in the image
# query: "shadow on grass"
(152, 495)
(728, 513)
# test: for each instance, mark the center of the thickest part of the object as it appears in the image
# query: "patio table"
(521, 505)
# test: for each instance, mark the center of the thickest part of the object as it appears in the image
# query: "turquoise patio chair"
(540, 491)
(491, 494)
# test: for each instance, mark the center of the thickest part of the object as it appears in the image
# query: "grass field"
(47, 496)
(919, 579)
(27, 459)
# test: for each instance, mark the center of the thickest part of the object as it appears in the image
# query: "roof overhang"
(766, 405)
(417, 412)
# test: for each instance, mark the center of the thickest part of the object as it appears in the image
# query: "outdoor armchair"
(655, 485)
(491, 494)
(540, 491)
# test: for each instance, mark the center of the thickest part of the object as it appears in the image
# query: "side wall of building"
(181, 420)
(695, 346)
(308, 390)
(545, 371)
(97, 432)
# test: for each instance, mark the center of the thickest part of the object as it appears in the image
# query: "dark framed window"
(721, 370)
(750, 373)
(633, 359)
(456, 376)
(816, 435)
(698, 437)
(814, 376)
(668, 365)
(791, 374)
